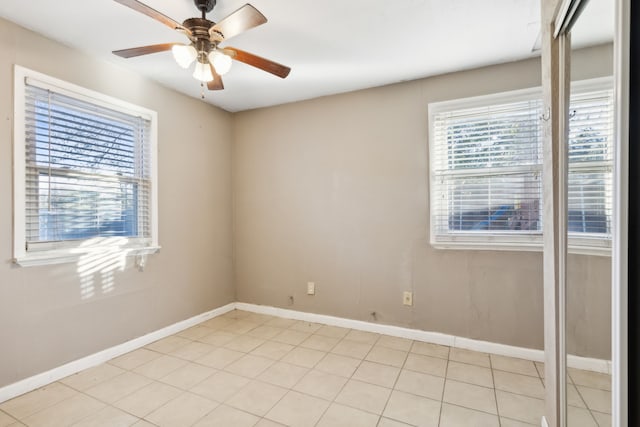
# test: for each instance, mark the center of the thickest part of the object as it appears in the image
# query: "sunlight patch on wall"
(101, 258)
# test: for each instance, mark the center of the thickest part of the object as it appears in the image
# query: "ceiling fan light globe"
(220, 61)
(184, 54)
(203, 72)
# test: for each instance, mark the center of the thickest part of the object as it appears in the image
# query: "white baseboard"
(577, 362)
(499, 349)
(39, 380)
(589, 364)
(396, 331)
(42, 379)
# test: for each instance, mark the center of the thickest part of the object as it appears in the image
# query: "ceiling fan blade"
(216, 83)
(144, 50)
(274, 68)
(152, 13)
(241, 20)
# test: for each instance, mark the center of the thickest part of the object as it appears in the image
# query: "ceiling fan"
(212, 60)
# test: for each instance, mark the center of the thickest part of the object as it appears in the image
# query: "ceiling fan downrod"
(205, 6)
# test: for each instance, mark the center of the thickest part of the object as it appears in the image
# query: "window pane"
(76, 208)
(503, 203)
(590, 202)
(83, 142)
(498, 140)
(590, 163)
(591, 127)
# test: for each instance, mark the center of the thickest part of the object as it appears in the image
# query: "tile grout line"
(308, 370)
(353, 373)
(495, 390)
(216, 371)
(593, 417)
(112, 405)
(15, 420)
(290, 389)
(223, 369)
(586, 405)
(351, 377)
(393, 387)
(444, 385)
(77, 392)
(262, 417)
(312, 368)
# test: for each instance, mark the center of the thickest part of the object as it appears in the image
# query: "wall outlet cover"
(407, 298)
(311, 288)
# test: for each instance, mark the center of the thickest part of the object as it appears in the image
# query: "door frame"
(620, 244)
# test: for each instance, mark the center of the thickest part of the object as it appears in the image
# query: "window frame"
(586, 245)
(62, 251)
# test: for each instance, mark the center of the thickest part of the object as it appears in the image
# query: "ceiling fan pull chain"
(202, 90)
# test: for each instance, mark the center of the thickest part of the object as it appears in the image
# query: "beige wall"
(335, 190)
(44, 321)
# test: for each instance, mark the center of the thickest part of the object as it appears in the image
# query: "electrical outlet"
(407, 298)
(311, 288)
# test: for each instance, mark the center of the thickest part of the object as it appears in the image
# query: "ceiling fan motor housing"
(199, 28)
(205, 5)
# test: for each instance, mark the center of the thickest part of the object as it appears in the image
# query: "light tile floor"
(245, 369)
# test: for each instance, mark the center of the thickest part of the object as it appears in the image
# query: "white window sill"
(491, 243)
(61, 256)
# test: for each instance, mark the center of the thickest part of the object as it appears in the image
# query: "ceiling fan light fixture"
(220, 61)
(184, 54)
(203, 72)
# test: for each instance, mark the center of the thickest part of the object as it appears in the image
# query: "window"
(486, 170)
(85, 172)
(590, 183)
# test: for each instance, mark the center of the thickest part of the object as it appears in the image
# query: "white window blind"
(486, 170)
(486, 165)
(590, 164)
(87, 170)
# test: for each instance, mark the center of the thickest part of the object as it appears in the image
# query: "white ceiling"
(332, 46)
